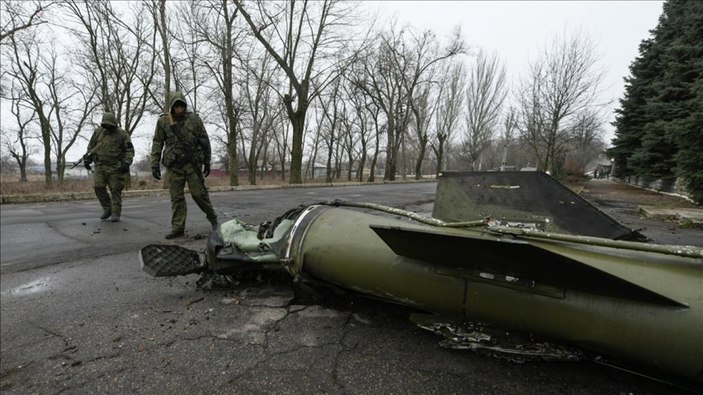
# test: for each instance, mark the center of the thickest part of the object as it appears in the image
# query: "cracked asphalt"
(78, 316)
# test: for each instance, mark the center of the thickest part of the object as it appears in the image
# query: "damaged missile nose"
(169, 260)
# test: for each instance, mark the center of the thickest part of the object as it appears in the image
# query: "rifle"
(90, 153)
(173, 126)
(76, 163)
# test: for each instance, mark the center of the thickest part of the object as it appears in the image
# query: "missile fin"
(515, 258)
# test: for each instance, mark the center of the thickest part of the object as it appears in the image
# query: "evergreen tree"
(633, 114)
(689, 138)
(685, 88)
(658, 126)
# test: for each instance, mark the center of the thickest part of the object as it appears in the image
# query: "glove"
(206, 170)
(156, 172)
(87, 163)
(124, 168)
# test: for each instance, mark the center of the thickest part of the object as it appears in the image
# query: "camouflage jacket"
(110, 147)
(189, 145)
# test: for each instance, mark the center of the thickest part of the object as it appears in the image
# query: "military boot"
(175, 233)
(115, 218)
(106, 213)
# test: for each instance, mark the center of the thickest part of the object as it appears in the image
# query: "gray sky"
(517, 30)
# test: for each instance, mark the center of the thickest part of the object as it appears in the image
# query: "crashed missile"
(635, 303)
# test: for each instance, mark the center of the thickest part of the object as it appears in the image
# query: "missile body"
(548, 265)
(635, 305)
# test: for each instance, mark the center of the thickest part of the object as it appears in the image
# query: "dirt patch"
(622, 202)
(607, 191)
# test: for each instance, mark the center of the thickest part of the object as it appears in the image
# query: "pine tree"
(658, 126)
(633, 114)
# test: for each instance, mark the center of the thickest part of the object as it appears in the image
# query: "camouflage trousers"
(176, 179)
(108, 176)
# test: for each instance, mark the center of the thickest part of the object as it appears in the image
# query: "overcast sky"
(517, 30)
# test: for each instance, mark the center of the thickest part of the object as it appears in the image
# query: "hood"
(174, 97)
(109, 119)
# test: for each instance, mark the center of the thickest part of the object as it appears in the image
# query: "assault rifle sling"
(176, 129)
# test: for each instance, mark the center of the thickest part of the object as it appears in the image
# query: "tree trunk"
(251, 166)
(329, 171)
(232, 148)
(362, 163)
(391, 151)
(46, 140)
(420, 158)
(296, 160)
(233, 165)
(167, 54)
(440, 154)
(60, 168)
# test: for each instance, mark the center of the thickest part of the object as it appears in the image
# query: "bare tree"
(423, 108)
(376, 75)
(214, 24)
(116, 57)
(261, 114)
(425, 56)
(157, 10)
(451, 99)
(531, 120)
(393, 73)
(564, 81)
(281, 148)
(61, 108)
(25, 70)
(378, 130)
(586, 145)
(485, 94)
(19, 146)
(191, 59)
(360, 122)
(314, 147)
(349, 138)
(43, 87)
(70, 110)
(508, 134)
(96, 45)
(306, 35)
(330, 105)
(18, 16)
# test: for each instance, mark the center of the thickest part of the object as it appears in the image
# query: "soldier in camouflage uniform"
(110, 148)
(186, 155)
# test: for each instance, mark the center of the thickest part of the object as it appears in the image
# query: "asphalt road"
(78, 316)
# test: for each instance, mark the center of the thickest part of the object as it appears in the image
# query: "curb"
(73, 196)
(689, 217)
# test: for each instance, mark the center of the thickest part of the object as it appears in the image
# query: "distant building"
(37, 169)
(219, 173)
(602, 170)
(77, 172)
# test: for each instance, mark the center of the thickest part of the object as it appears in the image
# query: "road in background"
(42, 234)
